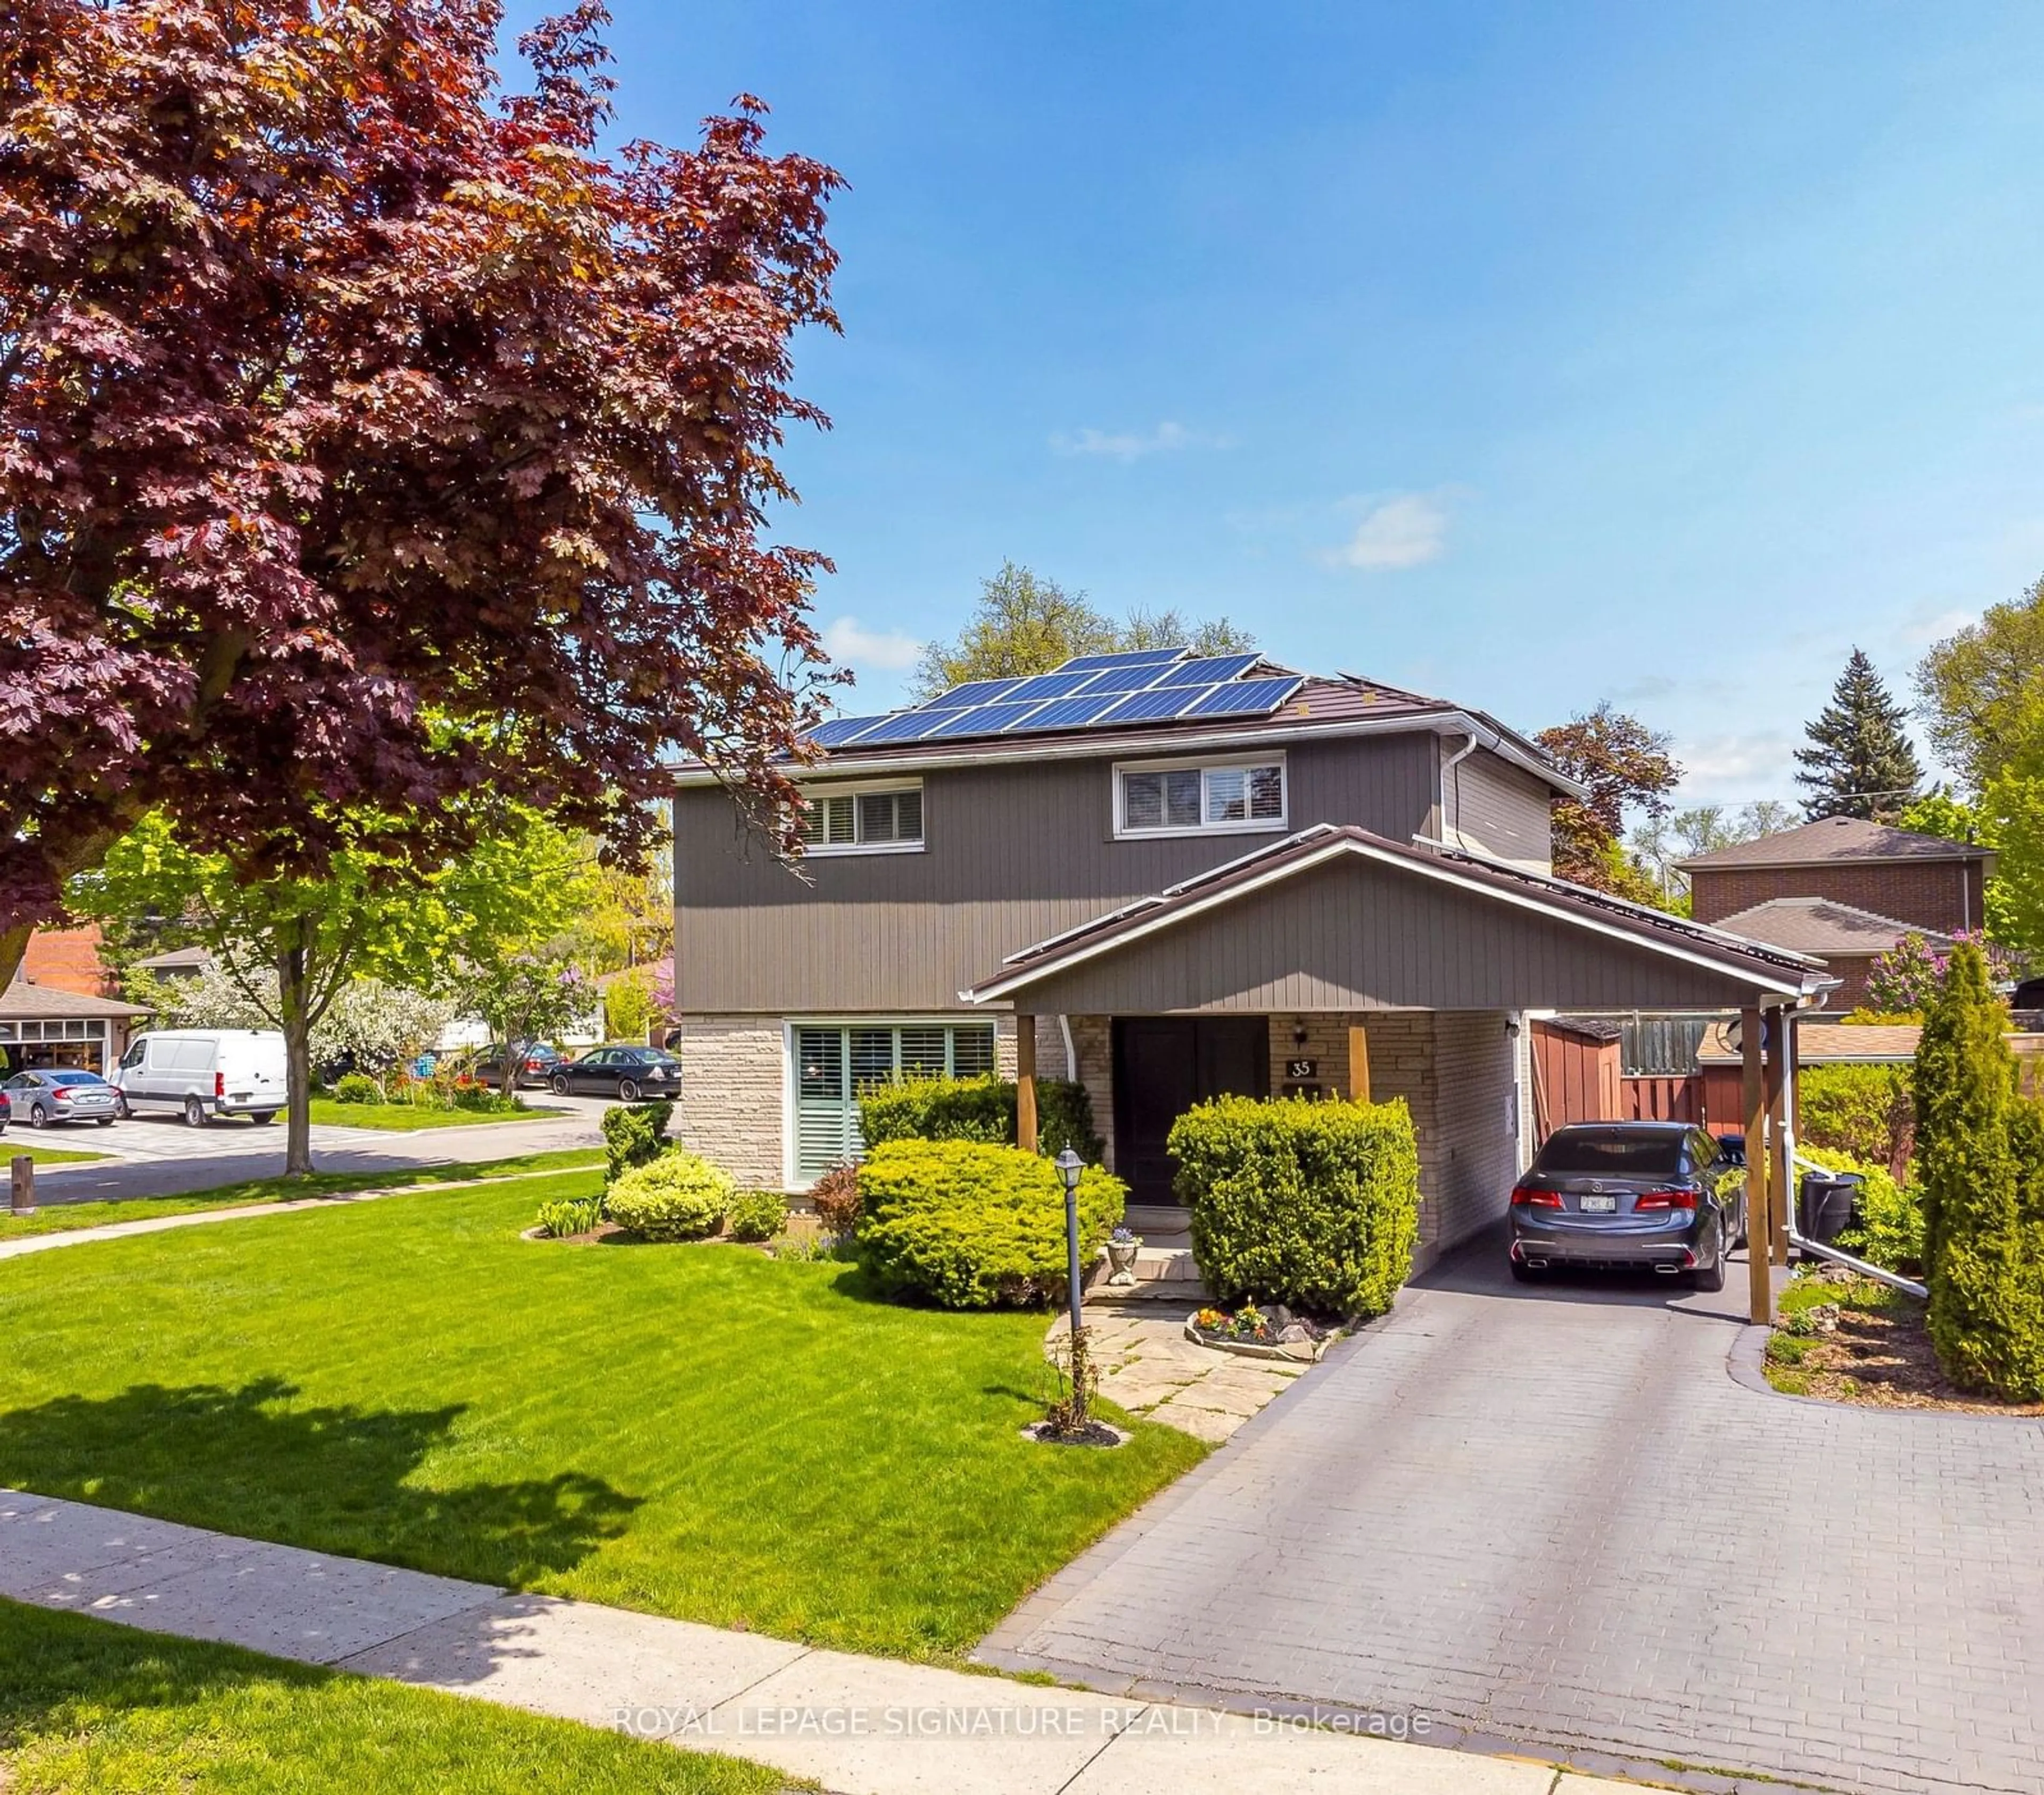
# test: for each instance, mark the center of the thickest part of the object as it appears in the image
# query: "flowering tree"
(1908, 977)
(370, 437)
(525, 997)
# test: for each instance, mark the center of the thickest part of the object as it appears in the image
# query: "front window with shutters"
(1199, 796)
(835, 1062)
(884, 819)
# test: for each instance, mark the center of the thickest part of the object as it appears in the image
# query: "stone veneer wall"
(732, 1071)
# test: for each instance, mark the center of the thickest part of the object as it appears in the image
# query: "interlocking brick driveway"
(1551, 1515)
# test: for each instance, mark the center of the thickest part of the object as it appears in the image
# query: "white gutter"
(1447, 770)
(693, 774)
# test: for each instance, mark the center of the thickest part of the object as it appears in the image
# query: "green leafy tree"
(292, 944)
(535, 994)
(1626, 768)
(1025, 624)
(1859, 761)
(628, 1006)
(1980, 1163)
(1982, 692)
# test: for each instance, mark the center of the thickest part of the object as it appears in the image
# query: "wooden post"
(1761, 1274)
(22, 1197)
(1025, 1083)
(1781, 1182)
(1358, 1064)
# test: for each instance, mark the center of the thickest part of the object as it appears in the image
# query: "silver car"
(62, 1093)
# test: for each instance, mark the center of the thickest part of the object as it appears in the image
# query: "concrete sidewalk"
(860, 1726)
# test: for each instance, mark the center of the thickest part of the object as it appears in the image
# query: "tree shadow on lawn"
(331, 1478)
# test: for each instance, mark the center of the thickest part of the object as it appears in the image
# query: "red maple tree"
(372, 438)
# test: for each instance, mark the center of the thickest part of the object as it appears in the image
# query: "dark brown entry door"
(1165, 1064)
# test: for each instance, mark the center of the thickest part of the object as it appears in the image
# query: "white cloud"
(850, 644)
(1132, 445)
(1406, 530)
(1733, 769)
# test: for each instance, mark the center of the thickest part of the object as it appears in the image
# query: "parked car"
(539, 1060)
(62, 1093)
(627, 1072)
(1633, 1194)
(6, 1109)
(202, 1073)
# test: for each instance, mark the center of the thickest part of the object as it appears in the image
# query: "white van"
(203, 1073)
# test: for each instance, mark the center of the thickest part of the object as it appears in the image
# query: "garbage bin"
(1828, 1201)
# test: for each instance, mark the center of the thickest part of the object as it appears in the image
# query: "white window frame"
(791, 1071)
(1205, 763)
(865, 788)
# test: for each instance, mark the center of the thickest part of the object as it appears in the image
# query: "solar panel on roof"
(840, 729)
(1208, 670)
(1048, 685)
(1138, 657)
(973, 691)
(901, 726)
(981, 720)
(1126, 679)
(1072, 713)
(1242, 697)
(1159, 702)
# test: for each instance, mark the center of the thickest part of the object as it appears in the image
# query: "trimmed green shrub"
(971, 1224)
(634, 1134)
(678, 1196)
(1865, 1111)
(1979, 1158)
(572, 1215)
(979, 1109)
(357, 1087)
(757, 1215)
(835, 1196)
(1312, 1204)
(1889, 1232)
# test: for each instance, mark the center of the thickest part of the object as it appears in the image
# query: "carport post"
(1781, 1184)
(1758, 1231)
(1025, 1083)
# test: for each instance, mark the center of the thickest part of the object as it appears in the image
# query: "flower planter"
(1249, 1334)
(1121, 1261)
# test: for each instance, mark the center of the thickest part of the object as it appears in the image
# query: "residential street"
(1551, 1515)
(159, 1156)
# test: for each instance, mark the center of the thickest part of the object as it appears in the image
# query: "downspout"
(1071, 1052)
(1448, 766)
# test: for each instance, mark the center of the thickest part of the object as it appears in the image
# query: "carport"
(1339, 963)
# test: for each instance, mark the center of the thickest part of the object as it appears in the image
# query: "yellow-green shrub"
(677, 1197)
(757, 1215)
(1888, 1228)
(970, 1224)
(1316, 1205)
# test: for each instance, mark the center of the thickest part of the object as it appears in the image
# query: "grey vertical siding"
(1355, 934)
(1012, 854)
(1499, 809)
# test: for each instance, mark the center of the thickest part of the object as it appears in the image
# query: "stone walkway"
(859, 1726)
(1147, 1367)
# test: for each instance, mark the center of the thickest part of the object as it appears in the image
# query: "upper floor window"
(1194, 797)
(864, 820)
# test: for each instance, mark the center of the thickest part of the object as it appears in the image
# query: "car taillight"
(1664, 1200)
(1525, 1196)
(220, 1084)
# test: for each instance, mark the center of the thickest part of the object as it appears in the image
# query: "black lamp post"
(1069, 1166)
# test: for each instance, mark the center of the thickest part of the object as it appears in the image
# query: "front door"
(1163, 1065)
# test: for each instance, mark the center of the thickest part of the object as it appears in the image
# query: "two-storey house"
(1168, 877)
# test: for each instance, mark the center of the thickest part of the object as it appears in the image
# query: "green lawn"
(402, 1118)
(89, 1705)
(13, 1145)
(695, 1430)
(61, 1218)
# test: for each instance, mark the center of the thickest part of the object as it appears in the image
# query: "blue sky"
(1530, 355)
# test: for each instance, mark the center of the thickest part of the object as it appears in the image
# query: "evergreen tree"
(1978, 1147)
(1859, 763)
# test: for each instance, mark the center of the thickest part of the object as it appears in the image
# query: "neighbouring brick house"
(1171, 879)
(1846, 938)
(61, 1010)
(1922, 881)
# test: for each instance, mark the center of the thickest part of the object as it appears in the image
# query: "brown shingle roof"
(24, 1002)
(1836, 838)
(1819, 926)
(1818, 1042)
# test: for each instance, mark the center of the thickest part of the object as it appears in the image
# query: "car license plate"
(1599, 1205)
